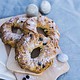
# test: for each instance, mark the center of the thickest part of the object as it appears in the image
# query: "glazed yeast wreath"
(31, 39)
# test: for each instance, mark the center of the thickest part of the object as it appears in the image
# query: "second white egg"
(32, 10)
(45, 7)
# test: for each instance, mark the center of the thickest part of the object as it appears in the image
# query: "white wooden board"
(51, 73)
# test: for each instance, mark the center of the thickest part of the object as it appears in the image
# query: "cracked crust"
(8, 37)
(26, 45)
(32, 39)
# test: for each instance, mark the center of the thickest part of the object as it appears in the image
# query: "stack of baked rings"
(30, 39)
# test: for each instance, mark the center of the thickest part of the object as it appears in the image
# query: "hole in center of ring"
(35, 53)
(14, 30)
(40, 30)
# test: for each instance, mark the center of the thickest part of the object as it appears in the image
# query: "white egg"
(32, 10)
(62, 57)
(45, 7)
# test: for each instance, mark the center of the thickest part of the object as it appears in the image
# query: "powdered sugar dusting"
(46, 39)
(21, 19)
(47, 53)
(12, 20)
(41, 19)
(27, 39)
(32, 24)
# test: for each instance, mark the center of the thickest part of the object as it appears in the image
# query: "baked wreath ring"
(48, 25)
(27, 25)
(8, 37)
(50, 28)
(25, 47)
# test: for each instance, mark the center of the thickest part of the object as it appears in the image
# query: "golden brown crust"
(32, 39)
(25, 47)
(27, 25)
(8, 37)
(50, 28)
(30, 25)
